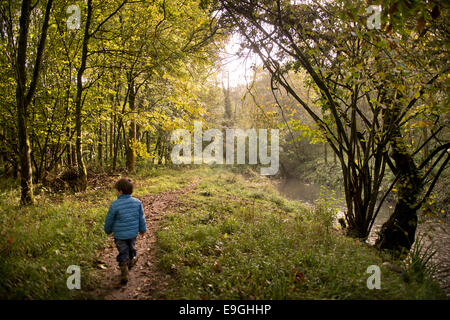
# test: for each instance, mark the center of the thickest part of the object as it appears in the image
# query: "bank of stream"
(437, 234)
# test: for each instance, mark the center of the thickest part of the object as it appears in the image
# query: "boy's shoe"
(132, 263)
(124, 272)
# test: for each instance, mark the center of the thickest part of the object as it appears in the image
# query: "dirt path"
(144, 278)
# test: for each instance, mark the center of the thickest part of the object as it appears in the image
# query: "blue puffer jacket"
(125, 218)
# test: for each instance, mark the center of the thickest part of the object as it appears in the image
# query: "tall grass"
(420, 265)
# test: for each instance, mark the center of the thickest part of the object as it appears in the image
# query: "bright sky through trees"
(237, 64)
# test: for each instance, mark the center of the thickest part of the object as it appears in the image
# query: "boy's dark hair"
(124, 185)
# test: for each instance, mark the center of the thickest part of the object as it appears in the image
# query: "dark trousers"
(127, 249)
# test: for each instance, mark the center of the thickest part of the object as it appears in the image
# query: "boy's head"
(124, 186)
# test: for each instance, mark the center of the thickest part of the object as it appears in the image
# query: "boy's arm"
(109, 220)
(142, 225)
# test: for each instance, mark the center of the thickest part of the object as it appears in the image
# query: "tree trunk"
(130, 154)
(69, 149)
(82, 173)
(24, 98)
(100, 145)
(398, 233)
(26, 181)
(111, 136)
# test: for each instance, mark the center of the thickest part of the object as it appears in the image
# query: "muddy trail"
(144, 278)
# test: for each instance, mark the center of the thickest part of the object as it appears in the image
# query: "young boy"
(125, 219)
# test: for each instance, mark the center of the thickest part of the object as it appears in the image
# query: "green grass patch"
(236, 238)
(38, 243)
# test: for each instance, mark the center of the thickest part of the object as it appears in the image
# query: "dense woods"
(106, 91)
(100, 90)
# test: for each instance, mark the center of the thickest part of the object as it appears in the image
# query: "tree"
(363, 98)
(25, 93)
(88, 34)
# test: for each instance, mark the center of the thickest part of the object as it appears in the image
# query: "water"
(307, 193)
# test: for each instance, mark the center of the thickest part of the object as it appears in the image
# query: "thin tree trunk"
(82, 173)
(100, 145)
(106, 141)
(69, 149)
(130, 154)
(111, 136)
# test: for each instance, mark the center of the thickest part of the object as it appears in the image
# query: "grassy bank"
(233, 236)
(237, 238)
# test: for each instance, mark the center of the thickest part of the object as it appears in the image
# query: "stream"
(296, 189)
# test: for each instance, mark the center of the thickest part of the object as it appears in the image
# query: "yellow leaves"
(424, 124)
(401, 88)
(417, 94)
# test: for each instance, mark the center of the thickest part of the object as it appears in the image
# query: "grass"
(38, 243)
(232, 237)
(236, 238)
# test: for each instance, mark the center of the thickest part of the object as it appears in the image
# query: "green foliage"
(326, 207)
